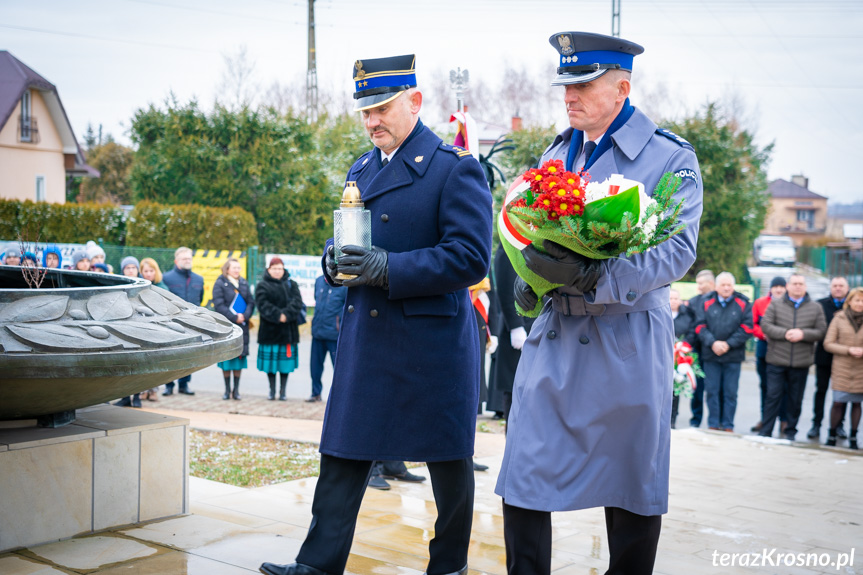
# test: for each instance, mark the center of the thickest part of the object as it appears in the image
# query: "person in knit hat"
(130, 267)
(81, 261)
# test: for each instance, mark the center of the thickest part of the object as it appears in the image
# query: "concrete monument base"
(112, 467)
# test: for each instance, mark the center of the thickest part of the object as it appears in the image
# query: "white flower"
(595, 191)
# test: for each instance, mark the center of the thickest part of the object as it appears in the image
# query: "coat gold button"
(350, 309)
(385, 218)
(373, 313)
(584, 340)
(631, 296)
(551, 334)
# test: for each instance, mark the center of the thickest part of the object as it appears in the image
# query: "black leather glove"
(330, 263)
(370, 266)
(524, 294)
(563, 266)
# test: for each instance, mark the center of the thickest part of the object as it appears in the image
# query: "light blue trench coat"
(589, 425)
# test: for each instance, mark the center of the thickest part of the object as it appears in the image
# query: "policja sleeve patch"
(687, 174)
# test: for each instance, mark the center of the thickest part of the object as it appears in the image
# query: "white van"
(774, 250)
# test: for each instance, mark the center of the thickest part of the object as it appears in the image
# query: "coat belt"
(569, 304)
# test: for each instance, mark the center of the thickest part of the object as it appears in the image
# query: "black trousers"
(782, 382)
(337, 500)
(632, 541)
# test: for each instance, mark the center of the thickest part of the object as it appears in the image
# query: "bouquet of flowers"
(597, 220)
(685, 369)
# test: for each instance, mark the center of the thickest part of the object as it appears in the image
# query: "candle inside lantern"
(352, 224)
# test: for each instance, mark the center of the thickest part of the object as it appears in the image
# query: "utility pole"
(312, 73)
(615, 18)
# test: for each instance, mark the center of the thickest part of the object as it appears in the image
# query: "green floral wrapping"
(614, 226)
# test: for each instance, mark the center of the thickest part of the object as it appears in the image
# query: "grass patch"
(250, 461)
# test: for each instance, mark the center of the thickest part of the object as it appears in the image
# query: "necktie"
(385, 162)
(589, 147)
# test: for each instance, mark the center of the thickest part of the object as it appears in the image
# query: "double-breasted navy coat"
(589, 425)
(406, 378)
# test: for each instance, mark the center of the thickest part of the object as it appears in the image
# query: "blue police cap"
(380, 80)
(585, 57)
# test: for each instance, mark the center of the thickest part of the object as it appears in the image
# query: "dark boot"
(852, 441)
(292, 569)
(282, 386)
(227, 376)
(136, 400)
(831, 437)
(272, 395)
(236, 393)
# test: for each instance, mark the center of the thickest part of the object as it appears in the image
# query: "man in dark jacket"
(329, 306)
(759, 306)
(705, 282)
(512, 330)
(724, 326)
(408, 343)
(186, 284)
(792, 325)
(684, 330)
(824, 359)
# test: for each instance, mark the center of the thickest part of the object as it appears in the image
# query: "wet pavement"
(738, 503)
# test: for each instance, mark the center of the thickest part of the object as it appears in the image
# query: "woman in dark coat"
(684, 329)
(233, 299)
(279, 303)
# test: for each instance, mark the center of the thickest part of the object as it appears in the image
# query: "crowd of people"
(792, 332)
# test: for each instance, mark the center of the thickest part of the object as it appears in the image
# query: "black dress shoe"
(136, 400)
(378, 482)
(479, 467)
(462, 571)
(814, 433)
(167, 392)
(313, 399)
(187, 392)
(405, 476)
(840, 433)
(125, 402)
(292, 569)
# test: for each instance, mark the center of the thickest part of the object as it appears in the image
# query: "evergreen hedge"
(148, 225)
(155, 225)
(61, 223)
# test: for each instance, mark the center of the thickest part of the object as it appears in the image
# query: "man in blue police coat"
(408, 341)
(590, 421)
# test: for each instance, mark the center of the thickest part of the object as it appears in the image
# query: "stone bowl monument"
(80, 339)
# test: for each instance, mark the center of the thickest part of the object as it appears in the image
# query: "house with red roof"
(38, 149)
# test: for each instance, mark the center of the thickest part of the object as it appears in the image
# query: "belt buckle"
(565, 297)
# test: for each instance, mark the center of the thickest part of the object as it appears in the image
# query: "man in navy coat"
(407, 343)
(590, 422)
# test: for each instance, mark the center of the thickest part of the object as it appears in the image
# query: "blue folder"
(238, 306)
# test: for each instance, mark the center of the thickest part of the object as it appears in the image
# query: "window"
(26, 135)
(807, 217)
(40, 188)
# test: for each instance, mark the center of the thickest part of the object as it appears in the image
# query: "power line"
(104, 39)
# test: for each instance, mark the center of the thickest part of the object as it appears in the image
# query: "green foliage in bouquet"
(607, 228)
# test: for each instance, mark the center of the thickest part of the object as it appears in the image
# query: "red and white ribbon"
(506, 227)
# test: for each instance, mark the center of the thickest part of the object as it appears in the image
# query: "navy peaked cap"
(585, 56)
(380, 80)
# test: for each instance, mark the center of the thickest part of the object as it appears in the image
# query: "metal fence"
(834, 261)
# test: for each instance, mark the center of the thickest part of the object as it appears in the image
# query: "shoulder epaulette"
(674, 137)
(363, 160)
(457, 150)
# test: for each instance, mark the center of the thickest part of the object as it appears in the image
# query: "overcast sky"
(797, 65)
